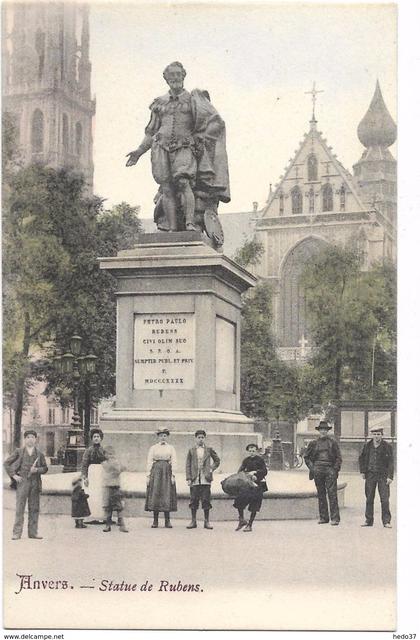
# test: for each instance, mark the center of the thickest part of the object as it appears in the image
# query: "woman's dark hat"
(200, 432)
(93, 431)
(30, 432)
(323, 425)
(163, 431)
(251, 444)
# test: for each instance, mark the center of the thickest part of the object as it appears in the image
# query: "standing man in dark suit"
(323, 459)
(200, 464)
(25, 466)
(376, 463)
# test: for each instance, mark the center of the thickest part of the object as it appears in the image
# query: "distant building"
(46, 83)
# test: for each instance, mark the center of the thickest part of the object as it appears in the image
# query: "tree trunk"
(337, 382)
(21, 382)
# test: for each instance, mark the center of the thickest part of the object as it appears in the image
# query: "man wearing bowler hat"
(323, 459)
(25, 467)
(201, 462)
(376, 464)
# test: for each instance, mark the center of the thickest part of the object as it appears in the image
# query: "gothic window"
(281, 204)
(312, 167)
(311, 200)
(40, 49)
(292, 318)
(342, 194)
(296, 200)
(327, 198)
(65, 132)
(79, 138)
(37, 131)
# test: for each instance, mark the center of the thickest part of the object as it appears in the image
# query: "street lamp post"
(76, 365)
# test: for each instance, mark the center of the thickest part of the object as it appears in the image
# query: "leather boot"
(242, 522)
(155, 520)
(207, 524)
(121, 524)
(193, 523)
(108, 523)
(167, 520)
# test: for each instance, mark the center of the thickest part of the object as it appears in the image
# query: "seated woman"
(256, 468)
(161, 488)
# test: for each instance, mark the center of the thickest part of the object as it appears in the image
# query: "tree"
(52, 237)
(269, 387)
(92, 309)
(351, 316)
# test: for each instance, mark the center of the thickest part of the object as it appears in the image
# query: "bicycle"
(297, 461)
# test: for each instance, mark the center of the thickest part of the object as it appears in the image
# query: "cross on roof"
(303, 342)
(313, 92)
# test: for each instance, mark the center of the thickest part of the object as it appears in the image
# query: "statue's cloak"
(212, 164)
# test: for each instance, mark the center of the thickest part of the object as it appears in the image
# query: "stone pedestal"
(178, 348)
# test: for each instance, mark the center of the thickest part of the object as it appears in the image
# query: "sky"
(257, 61)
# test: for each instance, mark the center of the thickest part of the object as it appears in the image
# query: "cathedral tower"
(376, 171)
(46, 83)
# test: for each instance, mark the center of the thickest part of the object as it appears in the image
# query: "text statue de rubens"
(186, 136)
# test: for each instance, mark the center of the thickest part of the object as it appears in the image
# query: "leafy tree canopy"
(352, 317)
(53, 288)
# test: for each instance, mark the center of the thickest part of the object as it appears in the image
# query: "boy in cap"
(200, 464)
(323, 459)
(376, 464)
(112, 493)
(25, 466)
(255, 467)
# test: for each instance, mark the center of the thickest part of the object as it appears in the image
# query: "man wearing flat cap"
(25, 467)
(201, 462)
(323, 459)
(376, 464)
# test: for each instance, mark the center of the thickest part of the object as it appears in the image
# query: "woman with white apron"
(92, 476)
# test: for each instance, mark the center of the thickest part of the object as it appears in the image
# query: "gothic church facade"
(317, 202)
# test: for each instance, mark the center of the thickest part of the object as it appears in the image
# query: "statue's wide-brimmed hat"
(323, 425)
(166, 431)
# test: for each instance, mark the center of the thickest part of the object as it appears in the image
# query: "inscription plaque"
(164, 351)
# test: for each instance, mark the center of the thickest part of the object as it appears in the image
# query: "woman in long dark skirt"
(161, 488)
(256, 468)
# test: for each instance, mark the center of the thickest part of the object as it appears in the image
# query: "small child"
(112, 492)
(79, 504)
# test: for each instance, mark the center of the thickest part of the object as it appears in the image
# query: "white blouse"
(161, 451)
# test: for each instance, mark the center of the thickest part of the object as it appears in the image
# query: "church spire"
(377, 128)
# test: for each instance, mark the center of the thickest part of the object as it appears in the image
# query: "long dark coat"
(79, 503)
